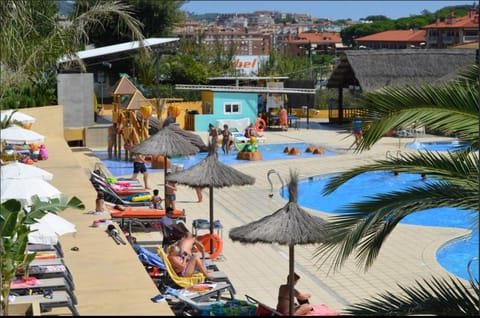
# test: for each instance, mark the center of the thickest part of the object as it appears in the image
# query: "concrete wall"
(96, 137)
(50, 117)
(75, 93)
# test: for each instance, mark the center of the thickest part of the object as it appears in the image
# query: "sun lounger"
(50, 271)
(55, 300)
(239, 137)
(45, 248)
(114, 198)
(196, 278)
(263, 309)
(140, 215)
(118, 189)
(37, 286)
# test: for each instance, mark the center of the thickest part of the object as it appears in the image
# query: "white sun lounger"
(240, 138)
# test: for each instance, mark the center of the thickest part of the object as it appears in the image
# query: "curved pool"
(453, 256)
(454, 145)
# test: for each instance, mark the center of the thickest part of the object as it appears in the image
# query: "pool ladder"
(271, 171)
(390, 155)
(469, 270)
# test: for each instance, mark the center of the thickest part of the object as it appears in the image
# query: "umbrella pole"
(211, 218)
(291, 264)
(165, 179)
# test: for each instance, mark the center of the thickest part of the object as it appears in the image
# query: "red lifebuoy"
(217, 244)
(260, 124)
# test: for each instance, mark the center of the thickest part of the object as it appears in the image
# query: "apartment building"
(312, 42)
(257, 34)
(453, 30)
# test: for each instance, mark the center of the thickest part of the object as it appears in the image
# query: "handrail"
(472, 280)
(270, 181)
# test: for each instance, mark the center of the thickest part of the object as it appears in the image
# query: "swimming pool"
(269, 152)
(438, 145)
(453, 256)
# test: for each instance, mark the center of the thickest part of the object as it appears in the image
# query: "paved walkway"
(111, 281)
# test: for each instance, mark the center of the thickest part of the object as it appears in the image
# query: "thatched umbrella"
(211, 173)
(289, 225)
(167, 143)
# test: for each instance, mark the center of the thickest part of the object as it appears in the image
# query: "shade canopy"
(165, 143)
(211, 173)
(18, 170)
(24, 189)
(18, 135)
(290, 225)
(17, 116)
(49, 228)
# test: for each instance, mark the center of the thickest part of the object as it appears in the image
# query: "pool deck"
(111, 281)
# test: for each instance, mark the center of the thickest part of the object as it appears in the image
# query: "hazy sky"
(325, 9)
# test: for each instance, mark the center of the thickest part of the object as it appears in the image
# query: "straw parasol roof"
(166, 142)
(290, 225)
(373, 69)
(211, 173)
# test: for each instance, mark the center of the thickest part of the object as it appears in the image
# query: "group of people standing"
(227, 137)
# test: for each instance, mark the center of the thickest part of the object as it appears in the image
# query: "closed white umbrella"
(18, 135)
(18, 170)
(24, 189)
(49, 228)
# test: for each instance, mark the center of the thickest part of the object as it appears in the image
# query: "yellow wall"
(207, 97)
(184, 106)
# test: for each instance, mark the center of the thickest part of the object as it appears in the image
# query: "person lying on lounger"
(185, 265)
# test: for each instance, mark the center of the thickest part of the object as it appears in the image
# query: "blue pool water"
(453, 256)
(438, 145)
(119, 167)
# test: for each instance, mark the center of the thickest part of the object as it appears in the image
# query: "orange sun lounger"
(142, 213)
(139, 215)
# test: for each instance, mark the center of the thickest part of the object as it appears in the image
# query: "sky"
(333, 10)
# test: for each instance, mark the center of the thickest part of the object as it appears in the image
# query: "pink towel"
(322, 310)
(28, 282)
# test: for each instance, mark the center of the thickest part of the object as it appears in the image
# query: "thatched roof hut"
(368, 70)
(373, 69)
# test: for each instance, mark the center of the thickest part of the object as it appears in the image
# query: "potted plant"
(15, 221)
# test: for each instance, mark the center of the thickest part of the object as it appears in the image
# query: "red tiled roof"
(396, 36)
(460, 22)
(318, 37)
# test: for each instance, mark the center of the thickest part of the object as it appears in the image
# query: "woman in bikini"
(283, 305)
(185, 265)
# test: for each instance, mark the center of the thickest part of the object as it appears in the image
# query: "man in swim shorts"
(140, 167)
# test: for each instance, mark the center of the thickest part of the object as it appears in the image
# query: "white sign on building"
(248, 64)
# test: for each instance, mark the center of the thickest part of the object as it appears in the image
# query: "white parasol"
(18, 135)
(17, 116)
(24, 189)
(49, 228)
(18, 170)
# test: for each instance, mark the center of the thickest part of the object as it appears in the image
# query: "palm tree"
(451, 108)
(28, 52)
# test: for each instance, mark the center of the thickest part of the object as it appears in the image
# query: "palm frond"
(436, 297)
(451, 108)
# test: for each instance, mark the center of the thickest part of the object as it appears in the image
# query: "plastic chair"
(183, 282)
